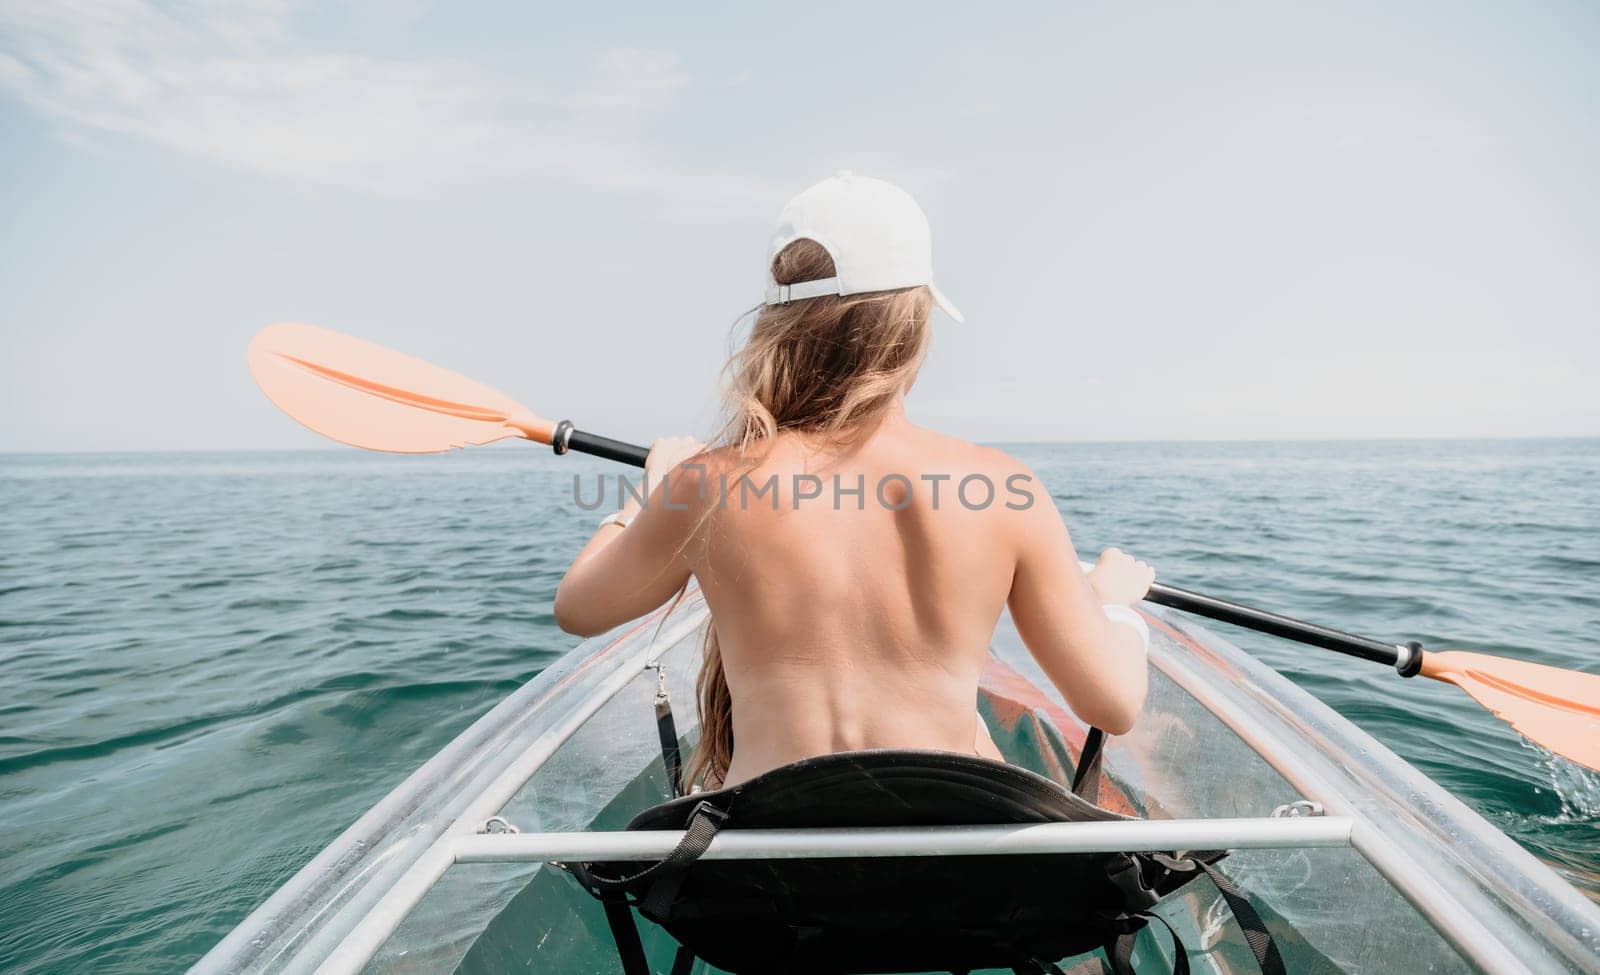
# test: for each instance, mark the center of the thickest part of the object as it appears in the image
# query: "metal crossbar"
(1139, 835)
(1037, 838)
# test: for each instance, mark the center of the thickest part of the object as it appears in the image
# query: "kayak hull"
(1417, 882)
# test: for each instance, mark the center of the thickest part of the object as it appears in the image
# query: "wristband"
(1127, 617)
(616, 518)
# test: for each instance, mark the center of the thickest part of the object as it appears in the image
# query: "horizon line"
(340, 448)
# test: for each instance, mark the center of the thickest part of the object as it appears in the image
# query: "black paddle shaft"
(1405, 658)
(567, 437)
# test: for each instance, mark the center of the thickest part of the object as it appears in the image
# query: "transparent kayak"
(1358, 862)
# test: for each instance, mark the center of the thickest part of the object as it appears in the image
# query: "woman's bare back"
(853, 620)
(855, 590)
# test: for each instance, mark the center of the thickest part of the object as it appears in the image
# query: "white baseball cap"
(876, 234)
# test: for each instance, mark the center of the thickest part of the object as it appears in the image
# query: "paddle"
(1559, 709)
(368, 396)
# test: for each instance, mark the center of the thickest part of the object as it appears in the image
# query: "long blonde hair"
(830, 367)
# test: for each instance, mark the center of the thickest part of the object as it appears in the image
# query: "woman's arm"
(1098, 665)
(625, 572)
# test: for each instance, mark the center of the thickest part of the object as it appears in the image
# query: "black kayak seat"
(895, 914)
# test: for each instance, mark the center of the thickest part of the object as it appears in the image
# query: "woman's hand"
(666, 453)
(1119, 579)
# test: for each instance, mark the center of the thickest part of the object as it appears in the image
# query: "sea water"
(213, 663)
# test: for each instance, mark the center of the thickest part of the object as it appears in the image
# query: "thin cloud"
(235, 84)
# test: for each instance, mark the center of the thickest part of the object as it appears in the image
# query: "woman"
(855, 564)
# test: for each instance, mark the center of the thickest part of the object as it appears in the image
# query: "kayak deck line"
(1132, 836)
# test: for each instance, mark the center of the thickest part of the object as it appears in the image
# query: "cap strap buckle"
(783, 294)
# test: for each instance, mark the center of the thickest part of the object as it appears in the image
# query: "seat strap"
(630, 950)
(683, 961)
(669, 874)
(1119, 950)
(704, 822)
(1086, 780)
(667, 731)
(1255, 930)
(657, 901)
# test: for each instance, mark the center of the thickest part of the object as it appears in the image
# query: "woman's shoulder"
(698, 477)
(719, 461)
(913, 452)
(958, 454)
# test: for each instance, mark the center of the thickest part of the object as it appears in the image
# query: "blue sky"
(1268, 221)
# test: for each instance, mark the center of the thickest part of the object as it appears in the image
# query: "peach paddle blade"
(1557, 708)
(364, 395)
